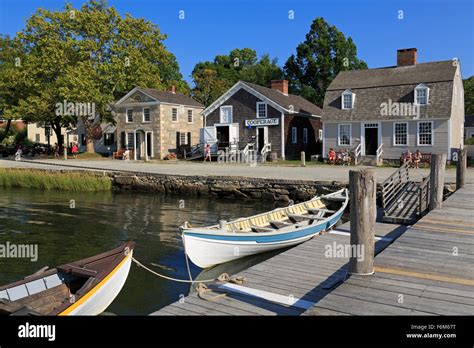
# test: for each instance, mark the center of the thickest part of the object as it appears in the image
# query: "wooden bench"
(425, 159)
(119, 154)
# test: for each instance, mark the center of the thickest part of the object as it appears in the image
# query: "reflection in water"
(103, 220)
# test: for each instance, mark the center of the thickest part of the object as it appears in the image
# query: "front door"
(222, 136)
(371, 141)
(262, 137)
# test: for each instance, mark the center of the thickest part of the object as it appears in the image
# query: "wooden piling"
(303, 159)
(362, 194)
(461, 168)
(438, 167)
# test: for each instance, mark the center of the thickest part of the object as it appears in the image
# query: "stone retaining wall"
(238, 187)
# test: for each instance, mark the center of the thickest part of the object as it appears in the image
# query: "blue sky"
(439, 29)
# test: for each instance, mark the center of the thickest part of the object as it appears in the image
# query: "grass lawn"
(48, 180)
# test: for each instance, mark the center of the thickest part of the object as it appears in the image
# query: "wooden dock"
(426, 269)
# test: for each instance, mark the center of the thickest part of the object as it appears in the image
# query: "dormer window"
(421, 94)
(347, 99)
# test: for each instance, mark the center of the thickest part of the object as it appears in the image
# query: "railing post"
(362, 193)
(461, 168)
(438, 166)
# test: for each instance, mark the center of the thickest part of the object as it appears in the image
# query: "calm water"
(102, 221)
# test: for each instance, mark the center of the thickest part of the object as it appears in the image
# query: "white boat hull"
(103, 294)
(208, 253)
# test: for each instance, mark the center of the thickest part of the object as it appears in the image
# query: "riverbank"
(41, 179)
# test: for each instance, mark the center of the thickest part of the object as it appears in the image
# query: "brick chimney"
(280, 85)
(172, 89)
(406, 56)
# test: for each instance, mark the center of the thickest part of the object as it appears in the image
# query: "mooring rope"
(222, 278)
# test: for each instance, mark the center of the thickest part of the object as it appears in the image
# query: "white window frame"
(266, 110)
(339, 134)
(418, 133)
(181, 142)
(177, 115)
(192, 115)
(419, 88)
(143, 115)
(394, 134)
(126, 116)
(305, 135)
(231, 113)
(294, 135)
(347, 93)
(132, 145)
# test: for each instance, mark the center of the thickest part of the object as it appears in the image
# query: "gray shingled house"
(385, 111)
(270, 118)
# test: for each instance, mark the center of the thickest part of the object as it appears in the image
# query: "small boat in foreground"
(279, 228)
(85, 287)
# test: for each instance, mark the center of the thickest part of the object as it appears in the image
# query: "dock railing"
(394, 184)
(424, 196)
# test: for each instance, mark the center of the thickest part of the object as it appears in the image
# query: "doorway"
(262, 137)
(222, 136)
(371, 141)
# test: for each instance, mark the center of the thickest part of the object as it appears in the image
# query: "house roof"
(469, 121)
(285, 103)
(300, 105)
(172, 98)
(394, 76)
(374, 87)
(163, 97)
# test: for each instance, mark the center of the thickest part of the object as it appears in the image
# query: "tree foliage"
(212, 79)
(324, 53)
(469, 95)
(86, 55)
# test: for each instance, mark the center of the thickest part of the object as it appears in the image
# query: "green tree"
(212, 79)
(324, 53)
(87, 55)
(469, 95)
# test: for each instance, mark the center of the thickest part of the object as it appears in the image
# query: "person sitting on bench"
(407, 157)
(415, 159)
(332, 156)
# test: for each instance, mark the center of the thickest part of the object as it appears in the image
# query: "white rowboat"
(279, 228)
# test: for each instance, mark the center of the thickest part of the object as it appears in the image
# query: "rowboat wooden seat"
(278, 224)
(78, 271)
(261, 229)
(298, 218)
